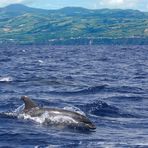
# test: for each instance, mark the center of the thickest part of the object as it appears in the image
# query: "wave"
(100, 108)
(127, 98)
(38, 80)
(87, 91)
(125, 89)
(129, 89)
(5, 59)
(101, 88)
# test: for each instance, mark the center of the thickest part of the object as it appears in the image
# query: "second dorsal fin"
(29, 104)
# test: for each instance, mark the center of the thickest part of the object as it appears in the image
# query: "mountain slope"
(24, 25)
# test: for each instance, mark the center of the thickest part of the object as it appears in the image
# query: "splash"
(100, 108)
(45, 118)
(12, 114)
(19, 109)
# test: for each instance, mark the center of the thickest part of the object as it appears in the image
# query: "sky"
(90, 4)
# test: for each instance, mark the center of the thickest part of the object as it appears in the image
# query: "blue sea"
(109, 84)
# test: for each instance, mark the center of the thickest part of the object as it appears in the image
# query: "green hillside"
(23, 25)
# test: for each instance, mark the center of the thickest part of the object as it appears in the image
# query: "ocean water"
(109, 84)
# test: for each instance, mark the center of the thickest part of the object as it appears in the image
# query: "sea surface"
(109, 84)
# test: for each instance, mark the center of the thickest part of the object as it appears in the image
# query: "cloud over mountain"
(8, 2)
(124, 4)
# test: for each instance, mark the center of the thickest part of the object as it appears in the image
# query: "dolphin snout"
(91, 126)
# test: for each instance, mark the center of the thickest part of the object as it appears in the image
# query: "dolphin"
(62, 117)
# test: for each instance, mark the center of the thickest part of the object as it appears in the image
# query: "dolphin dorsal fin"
(29, 104)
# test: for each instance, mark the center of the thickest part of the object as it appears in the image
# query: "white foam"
(46, 117)
(36, 119)
(40, 119)
(6, 79)
(40, 61)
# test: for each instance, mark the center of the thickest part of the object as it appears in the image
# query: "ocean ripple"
(100, 108)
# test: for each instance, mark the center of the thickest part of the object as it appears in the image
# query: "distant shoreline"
(84, 41)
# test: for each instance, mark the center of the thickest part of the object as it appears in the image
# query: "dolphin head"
(29, 104)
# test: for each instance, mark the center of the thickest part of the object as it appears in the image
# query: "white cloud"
(118, 3)
(123, 4)
(7, 2)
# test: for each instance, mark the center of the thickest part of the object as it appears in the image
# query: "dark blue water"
(108, 83)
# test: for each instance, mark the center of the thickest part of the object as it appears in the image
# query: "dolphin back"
(80, 119)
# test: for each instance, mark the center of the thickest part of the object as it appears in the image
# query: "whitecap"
(40, 61)
(6, 79)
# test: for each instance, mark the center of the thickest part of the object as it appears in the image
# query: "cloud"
(123, 4)
(8, 2)
(117, 3)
